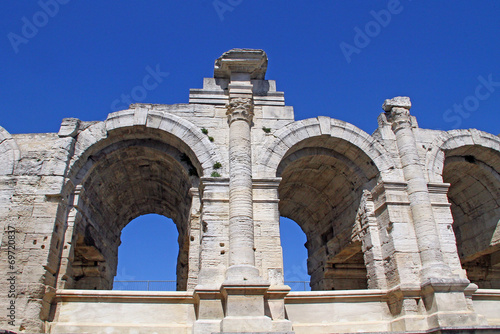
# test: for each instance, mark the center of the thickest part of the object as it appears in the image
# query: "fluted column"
(243, 290)
(241, 235)
(398, 112)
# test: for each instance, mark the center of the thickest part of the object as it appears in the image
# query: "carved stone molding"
(240, 109)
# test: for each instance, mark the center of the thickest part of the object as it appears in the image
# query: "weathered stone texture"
(402, 226)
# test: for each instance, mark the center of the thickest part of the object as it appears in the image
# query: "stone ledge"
(123, 296)
(253, 333)
(315, 296)
(447, 330)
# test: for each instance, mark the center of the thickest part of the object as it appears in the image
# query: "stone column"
(439, 287)
(241, 229)
(244, 289)
(240, 67)
(433, 265)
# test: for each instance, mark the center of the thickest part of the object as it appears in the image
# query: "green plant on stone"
(217, 165)
(266, 130)
(215, 174)
(205, 132)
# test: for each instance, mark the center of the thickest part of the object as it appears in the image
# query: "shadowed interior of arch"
(321, 189)
(475, 204)
(123, 181)
(147, 256)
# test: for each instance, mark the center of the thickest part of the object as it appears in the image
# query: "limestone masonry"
(402, 226)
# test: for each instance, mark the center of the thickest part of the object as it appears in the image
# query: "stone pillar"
(65, 279)
(194, 235)
(214, 241)
(439, 288)
(267, 241)
(241, 229)
(433, 265)
(244, 290)
(240, 66)
(371, 245)
(268, 254)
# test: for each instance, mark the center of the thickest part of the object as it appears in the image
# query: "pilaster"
(213, 258)
(213, 238)
(194, 236)
(268, 251)
(64, 278)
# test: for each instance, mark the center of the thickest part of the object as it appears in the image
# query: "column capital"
(397, 102)
(251, 62)
(240, 108)
(398, 111)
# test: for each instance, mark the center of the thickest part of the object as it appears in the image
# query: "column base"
(242, 324)
(437, 303)
(206, 326)
(405, 304)
(446, 304)
(409, 323)
(246, 274)
(275, 308)
(282, 326)
(244, 306)
(241, 307)
(208, 309)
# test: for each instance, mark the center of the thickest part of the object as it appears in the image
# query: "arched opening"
(293, 241)
(147, 255)
(125, 180)
(474, 194)
(321, 189)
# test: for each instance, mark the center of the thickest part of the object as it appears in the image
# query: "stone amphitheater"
(402, 226)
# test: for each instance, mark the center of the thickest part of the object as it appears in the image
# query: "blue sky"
(335, 58)
(149, 250)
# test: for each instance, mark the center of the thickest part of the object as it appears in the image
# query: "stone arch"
(182, 133)
(469, 160)
(454, 139)
(325, 166)
(9, 153)
(136, 162)
(280, 143)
